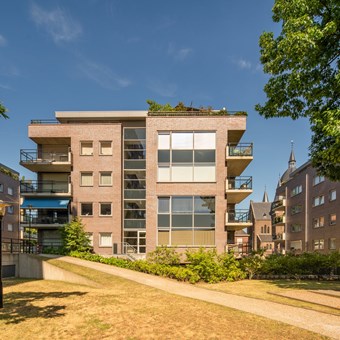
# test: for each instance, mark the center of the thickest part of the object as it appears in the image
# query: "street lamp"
(3, 206)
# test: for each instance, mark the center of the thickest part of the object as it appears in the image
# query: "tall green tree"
(303, 64)
(74, 237)
(3, 111)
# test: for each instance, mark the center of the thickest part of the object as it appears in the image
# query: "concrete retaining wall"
(33, 266)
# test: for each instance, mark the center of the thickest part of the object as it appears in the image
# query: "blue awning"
(45, 203)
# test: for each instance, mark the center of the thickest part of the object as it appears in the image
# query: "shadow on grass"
(19, 306)
(307, 285)
(13, 281)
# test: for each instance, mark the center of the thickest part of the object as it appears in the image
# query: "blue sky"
(114, 55)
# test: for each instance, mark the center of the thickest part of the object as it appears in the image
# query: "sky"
(115, 54)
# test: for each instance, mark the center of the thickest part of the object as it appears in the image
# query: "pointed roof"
(261, 210)
(265, 196)
(291, 166)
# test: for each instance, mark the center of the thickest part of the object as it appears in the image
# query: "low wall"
(36, 267)
(10, 261)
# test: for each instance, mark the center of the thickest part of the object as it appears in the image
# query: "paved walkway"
(322, 323)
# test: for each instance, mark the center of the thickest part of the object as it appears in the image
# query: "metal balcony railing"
(44, 187)
(238, 216)
(240, 183)
(33, 156)
(44, 219)
(279, 203)
(241, 149)
(44, 121)
(279, 219)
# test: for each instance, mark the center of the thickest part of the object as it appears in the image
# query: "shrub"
(252, 263)
(164, 255)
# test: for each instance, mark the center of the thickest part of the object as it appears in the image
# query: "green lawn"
(114, 308)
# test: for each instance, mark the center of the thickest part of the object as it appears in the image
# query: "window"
(332, 195)
(1, 187)
(10, 209)
(295, 191)
(86, 179)
(318, 179)
(186, 156)
(86, 148)
(296, 245)
(186, 220)
(105, 240)
(10, 227)
(296, 209)
(10, 191)
(295, 228)
(86, 209)
(319, 244)
(105, 209)
(332, 243)
(105, 178)
(105, 148)
(332, 219)
(318, 222)
(319, 200)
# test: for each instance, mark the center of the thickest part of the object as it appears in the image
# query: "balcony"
(237, 219)
(279, 205)
(46, 161)
(279, 220)
(238, 157)
(279, 237)
(45, 219)
(238, 188)
(45, 188)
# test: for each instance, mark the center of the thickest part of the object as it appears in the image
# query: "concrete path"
(322, 323)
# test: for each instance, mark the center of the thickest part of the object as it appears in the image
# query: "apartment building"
(139, 179)
(305, 211)
(9, 193)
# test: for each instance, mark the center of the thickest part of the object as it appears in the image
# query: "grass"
(114, 308)
(270, 290)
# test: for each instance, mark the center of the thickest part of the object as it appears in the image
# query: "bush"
(164, 255)
(252, 263)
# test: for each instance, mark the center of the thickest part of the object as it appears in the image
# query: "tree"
(303, 62)
(3, 111)
(74, 237)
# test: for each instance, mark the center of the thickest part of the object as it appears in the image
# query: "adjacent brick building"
(139, 179)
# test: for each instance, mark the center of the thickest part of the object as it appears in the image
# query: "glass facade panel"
(134, 133)
(135, 224)
(105, 209)
(163, 173)
(134, 194)
(163, 156)
(135, 145)
(182, 237)
(204, 204)
(180, 173)
(128, 184)
(204, 156)
(205, 140)
(204, 237)
(182, 204)
(164, 204)
(182, 156)
(134, 204)
(163, 141)
(204, 221)
(163, 221)
(134, 214)
(129, 174)
(181, 221)
(86, 209)
(134, 164)
(182, 140)
(163, 237)
(204, 173)
(133, 154)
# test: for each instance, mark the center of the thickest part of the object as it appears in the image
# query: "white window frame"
(319, 244)
(318, 179)
(332, 243)
(83, 147)
(100, 208)
(295, 191)
(81, 210)
(332, 195)
(319, 222)
(105, 175)
(86, 175)
(318, 200)
(10, 191)
(109, 149)
(108, 243)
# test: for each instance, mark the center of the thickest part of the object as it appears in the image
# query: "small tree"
(252, 263)
(74, 237)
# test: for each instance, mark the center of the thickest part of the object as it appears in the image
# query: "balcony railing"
(44, 121)
(279, 203)
(279, 219)
(45, 219)
(238, 216)
(44, 187)
(238, 248)
(33, 156)
(241, 149)
(239, 183)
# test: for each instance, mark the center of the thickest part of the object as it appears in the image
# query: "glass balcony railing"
(241, 149)
(239, 183)
(44, 187)
(237, 216)
(33, 156)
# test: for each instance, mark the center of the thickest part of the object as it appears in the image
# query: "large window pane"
(134, 224)
(105, 209)
(204, 156)
(163, 204)
(204, 221)
(86, 209)
(105, 178)
(128, 164)
(137, 184)
(182, 156)
(204, 204)
(163, 141)
(163, 156)
(133, 154)
(181, 237)
(86, 179)
(163, 173)
(205, 140)
(105, 148)
(135, 133)
(134, 174)
(204, 173)
(105, 240)
(134, 193)
(134, 145)
(182, 221)
(135, 204)
(181, 173)
(163, 221)
(86, 148)
(204, 237)
(163, 237)
(182, 204)
(134, 214)
(182, 140)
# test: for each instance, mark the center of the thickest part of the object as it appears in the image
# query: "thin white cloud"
(5, 87)
(3, 41)
(103, 75)
(58, 24)
(179, 54)
(164, 89)
(244, 64)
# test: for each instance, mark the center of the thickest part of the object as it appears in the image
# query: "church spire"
(292, 160)
(265, 196)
